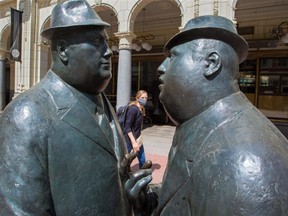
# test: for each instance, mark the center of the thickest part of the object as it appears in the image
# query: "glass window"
(266, 63)
(282, 62)
(274, 63)
(144, 74)
(284, 85)
(269, 84)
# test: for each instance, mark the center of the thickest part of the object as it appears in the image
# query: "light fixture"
(134, 46)
(114, 48)
(45, 41)
(138, 48)
(284, 39)
(281, 32)
(149, 47)
(142, 41)
(113, 42)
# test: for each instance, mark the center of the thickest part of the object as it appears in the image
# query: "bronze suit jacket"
(59, 157)
(229, 160)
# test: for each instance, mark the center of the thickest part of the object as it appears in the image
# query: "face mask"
(142, 101)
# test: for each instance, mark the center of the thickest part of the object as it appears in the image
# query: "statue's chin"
(172, 117)
(102, 88)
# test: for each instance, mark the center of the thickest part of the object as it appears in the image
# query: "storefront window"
(273, 87)
(247, 80)
(145, 76)
(264, 81)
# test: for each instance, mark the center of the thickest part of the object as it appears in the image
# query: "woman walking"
(133, 127)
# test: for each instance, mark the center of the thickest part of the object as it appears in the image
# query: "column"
(124, 69)
(2, 79)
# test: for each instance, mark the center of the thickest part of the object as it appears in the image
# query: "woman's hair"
(139, 93)
(135, 102)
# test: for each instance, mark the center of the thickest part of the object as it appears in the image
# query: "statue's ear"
(62, 50)
(213, 64)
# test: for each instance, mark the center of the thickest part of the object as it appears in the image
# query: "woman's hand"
(133, 142)
(135, 146)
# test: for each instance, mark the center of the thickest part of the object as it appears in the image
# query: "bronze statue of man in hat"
(61, 149)
(226, 158)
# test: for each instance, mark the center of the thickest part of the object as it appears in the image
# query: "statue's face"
(89, 61)
(182, 78)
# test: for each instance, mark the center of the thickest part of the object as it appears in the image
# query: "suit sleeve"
(23, 161)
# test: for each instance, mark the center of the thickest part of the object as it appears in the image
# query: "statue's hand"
(126, 163)
(139, 194)
(138, 182)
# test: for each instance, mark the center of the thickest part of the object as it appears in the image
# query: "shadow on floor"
(135, 167)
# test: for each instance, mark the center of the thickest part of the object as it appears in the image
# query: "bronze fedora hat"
(72, 13)
(211, 27)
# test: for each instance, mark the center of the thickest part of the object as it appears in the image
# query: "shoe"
(147, 165)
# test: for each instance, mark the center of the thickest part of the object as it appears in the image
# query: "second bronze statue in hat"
(211, 27)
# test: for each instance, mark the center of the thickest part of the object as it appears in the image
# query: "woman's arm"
(130, 121)
(133, 142)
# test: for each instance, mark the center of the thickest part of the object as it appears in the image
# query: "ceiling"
(162, 19)
(267, 10)
(263, 20)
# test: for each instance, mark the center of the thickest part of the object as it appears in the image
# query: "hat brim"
(51, 32)
(234, 40)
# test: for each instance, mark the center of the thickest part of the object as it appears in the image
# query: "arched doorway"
(44, 54)
(154, 24)
(9, 67)
(108, 14)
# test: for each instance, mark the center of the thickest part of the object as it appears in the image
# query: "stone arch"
(5, 37)
(44, 51)
(234, 3)
(106, 5)
(9, 66)
(138, 6)
(152, 23)
(45, 24)
(110, 15)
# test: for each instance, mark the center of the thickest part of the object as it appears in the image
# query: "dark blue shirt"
(134, 120)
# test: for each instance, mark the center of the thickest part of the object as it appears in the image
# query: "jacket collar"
(189, 138)
(78, 111)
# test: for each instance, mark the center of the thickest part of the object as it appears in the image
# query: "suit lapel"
(176, 174)
(80, 119)
(119, 141)
(72, 111)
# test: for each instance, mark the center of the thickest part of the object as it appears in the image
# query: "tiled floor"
(157, 142)
(158, 167)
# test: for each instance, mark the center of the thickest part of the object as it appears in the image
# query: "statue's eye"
(97, 41)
